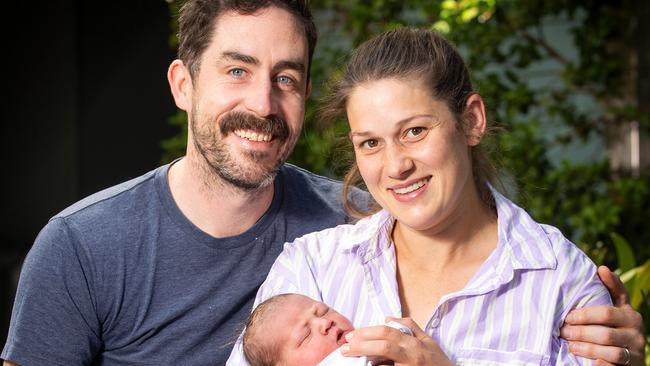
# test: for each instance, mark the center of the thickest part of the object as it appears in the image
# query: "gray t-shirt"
(123, 277)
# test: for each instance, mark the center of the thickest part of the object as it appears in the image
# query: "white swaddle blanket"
(337, 359)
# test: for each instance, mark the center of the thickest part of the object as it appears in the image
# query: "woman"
(476, 279)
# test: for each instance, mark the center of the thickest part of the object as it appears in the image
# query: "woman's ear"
(474, 120)
(180, 83)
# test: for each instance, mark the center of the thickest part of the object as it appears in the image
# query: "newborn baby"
(292, 329)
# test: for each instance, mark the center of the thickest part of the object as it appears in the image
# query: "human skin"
(415, 159)
(222, 211)
(307, 330)
(405, 145)
(257, 65)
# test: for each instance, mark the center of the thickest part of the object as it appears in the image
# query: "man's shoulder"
(308, 185)
(113, 199)
(308, 180)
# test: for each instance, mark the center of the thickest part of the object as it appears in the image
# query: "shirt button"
(435, 322)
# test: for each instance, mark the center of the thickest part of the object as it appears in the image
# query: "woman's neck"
(469, 234)
(442, 260)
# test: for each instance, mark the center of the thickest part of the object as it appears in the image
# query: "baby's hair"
(257, 351)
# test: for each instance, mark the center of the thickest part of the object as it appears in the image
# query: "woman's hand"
(604, 333)
(386, 343)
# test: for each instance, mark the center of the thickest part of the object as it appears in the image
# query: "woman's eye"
(370, 144)
(415, 131)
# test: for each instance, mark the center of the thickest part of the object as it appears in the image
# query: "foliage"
(636, 281)
(550, 98)
(550, 95)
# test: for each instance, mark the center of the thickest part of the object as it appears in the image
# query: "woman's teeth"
(412, 187)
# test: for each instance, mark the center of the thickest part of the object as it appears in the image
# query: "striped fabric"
(510, 312)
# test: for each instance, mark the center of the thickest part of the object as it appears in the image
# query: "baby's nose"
(323, 325)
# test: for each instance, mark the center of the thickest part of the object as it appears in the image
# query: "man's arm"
(54, 315)
(9, 363)
(604, 332)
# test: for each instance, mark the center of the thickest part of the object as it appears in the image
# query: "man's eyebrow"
(291, 65)
(236, 56)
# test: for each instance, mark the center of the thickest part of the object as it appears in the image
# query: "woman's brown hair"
(408, 54)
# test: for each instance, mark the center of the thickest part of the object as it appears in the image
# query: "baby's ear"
(474, 120)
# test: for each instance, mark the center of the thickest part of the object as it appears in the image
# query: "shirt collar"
(369, 237)
(522, 243)
(525, 242)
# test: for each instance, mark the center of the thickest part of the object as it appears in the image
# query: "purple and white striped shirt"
(510, 312)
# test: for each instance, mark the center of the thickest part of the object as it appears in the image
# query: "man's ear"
(474, 120)
(180, 83)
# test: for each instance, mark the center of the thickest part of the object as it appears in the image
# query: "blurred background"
(567, 84)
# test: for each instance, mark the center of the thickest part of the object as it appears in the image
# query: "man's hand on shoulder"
(609, 334)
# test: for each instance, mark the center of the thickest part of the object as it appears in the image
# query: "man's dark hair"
(197, 22)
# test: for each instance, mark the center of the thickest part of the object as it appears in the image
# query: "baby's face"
(308, 330)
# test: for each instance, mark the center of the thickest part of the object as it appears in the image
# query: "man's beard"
(249, 174)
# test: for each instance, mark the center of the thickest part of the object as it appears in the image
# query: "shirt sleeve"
(292, 272)
(582, 289)
(53, 319)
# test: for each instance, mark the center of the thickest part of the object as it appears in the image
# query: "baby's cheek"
(325, 348)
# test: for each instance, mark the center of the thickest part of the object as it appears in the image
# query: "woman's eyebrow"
(399, 124)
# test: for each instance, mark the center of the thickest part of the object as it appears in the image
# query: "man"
(164, 268)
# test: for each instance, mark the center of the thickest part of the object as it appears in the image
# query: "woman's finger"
(381, 348)
(374, 333)
(413, 326)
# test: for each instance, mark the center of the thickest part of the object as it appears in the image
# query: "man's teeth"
(411, 188)
(253, 136)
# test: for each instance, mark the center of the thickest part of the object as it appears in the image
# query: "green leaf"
(641, 284)
(624, 253)
(441, 26)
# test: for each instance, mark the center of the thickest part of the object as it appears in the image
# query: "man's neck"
(215, 206)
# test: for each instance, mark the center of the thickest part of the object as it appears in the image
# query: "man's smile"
(254, 135)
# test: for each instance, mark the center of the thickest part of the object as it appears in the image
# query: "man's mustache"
(273, 125)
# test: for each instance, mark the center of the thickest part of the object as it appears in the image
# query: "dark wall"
(85, 107)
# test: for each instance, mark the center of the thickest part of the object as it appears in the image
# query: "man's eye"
(237, 73)
(285, 80)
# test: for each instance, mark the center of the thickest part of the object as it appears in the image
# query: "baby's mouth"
(340, 337)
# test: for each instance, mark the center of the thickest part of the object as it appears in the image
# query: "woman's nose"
(397, 162)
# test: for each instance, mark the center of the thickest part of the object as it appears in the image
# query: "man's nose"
(397, 161)
(260, 98)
